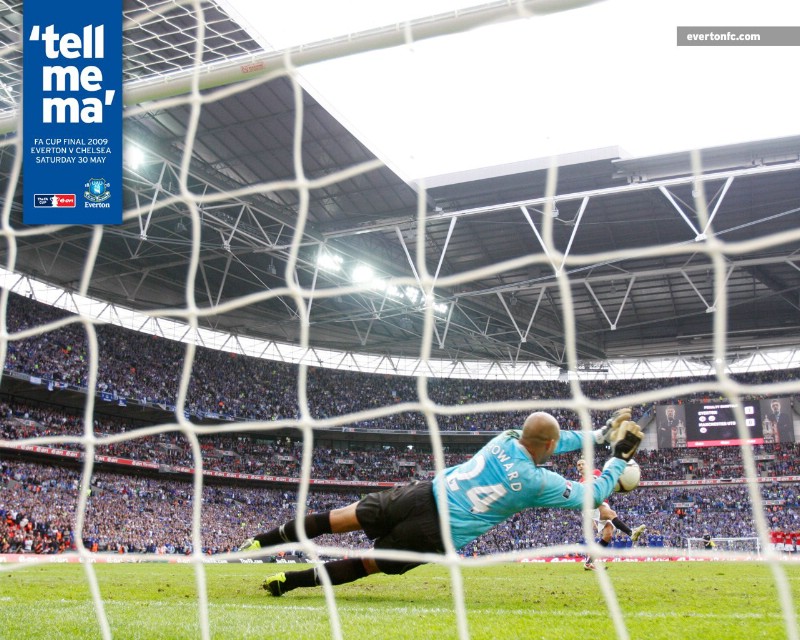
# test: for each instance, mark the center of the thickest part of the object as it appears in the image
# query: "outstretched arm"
(609, 432)
(557, 491)
(624, 441)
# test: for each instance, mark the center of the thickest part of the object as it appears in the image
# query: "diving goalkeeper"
(503, 478)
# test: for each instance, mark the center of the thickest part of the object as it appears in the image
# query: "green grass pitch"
(660, 601)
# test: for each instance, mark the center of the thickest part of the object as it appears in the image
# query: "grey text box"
(738, 36)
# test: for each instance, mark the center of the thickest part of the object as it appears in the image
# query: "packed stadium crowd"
(146, 369)
(38, 506)
(283, 456)
(132, 513)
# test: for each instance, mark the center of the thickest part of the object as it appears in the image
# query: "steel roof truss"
(731, 267)
(716, 206)
(538, 237)
(227, 244)
(410, 261)
(578, 219)
(511, 316)
(444, 249)
(533, 315)
(709, 308)
(612, 325)
(143, 227)
(48, 269)
(446, 325)
(224, 278)
(313, 284)
(697, 235)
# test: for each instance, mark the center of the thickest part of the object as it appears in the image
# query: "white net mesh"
(163, 75)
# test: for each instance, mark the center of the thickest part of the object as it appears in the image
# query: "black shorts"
(403, 518)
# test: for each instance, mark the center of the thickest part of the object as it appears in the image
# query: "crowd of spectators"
(146, 369)
(128, 513)
(283, 456)
(38, 507)
(131, 513)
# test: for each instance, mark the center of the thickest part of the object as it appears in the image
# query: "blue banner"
(72, 112)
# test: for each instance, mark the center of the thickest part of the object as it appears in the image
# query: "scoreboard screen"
(713, 424)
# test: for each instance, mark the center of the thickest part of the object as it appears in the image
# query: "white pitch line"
(282, 605)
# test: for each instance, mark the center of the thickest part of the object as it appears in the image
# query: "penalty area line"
(405, 609)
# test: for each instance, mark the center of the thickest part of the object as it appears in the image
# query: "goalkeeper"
(503, 478)
(708, 543)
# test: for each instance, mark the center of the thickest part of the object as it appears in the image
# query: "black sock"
(619, 524)
(316, 525)
(339, 571)
(344, 571)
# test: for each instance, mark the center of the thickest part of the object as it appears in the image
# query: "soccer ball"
(629, 479)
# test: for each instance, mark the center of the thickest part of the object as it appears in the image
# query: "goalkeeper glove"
(607, 433)
(627, 438)
(249, 545)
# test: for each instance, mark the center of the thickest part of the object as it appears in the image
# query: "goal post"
(739, 545)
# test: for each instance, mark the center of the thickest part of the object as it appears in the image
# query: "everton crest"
(97, 190)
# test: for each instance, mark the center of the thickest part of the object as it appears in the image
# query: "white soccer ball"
(630, 478)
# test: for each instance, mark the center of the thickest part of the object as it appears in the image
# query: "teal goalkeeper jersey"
(502, 479)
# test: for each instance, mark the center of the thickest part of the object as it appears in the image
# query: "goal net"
(739, 545)
(231, 255)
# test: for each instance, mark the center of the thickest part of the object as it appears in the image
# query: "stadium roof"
(641, 279)
(564, 82)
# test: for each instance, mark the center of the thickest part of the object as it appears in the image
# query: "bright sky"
(609, 74)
